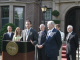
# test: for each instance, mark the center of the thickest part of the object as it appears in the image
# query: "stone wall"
(4, 0)
(63, 7)
(28, 0)
(33, 13)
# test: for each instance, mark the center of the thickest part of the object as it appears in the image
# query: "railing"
(77, 52)
(78, 57)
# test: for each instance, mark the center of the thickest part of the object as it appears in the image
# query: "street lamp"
(44, 9)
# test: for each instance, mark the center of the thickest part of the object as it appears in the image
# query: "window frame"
(2, 14)
(50, 16)
(23, 14)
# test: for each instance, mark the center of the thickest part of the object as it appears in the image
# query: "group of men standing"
(48, 42)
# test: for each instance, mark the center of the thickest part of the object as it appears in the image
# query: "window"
(19, 17)
(5, 15)
(48, 14)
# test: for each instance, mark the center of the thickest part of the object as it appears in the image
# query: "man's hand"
(31, 41)
(40, 46)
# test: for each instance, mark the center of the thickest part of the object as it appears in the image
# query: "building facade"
(69, 13)
(18, 11)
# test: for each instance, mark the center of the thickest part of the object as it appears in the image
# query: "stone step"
(63, 51)
(63, 55)
(63, 47)
(64, 59)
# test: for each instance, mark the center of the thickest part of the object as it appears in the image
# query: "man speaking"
(29, 34)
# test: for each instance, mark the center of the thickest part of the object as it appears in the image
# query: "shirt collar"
(28, 29)
(70, 32)
(52, 29)
(9, 32)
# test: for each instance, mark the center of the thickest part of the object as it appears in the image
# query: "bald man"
(41, 42)
(72, 43)
(53, 42)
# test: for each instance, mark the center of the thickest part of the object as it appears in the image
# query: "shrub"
(55, 13)
(4, 30)
(57, 21)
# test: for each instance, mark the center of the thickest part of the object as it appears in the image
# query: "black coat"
(72, 43)
(43, 37)
(41, 41)
(53, 43)
(6, 36)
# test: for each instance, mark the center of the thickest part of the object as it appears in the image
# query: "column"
(11, 13)
(0, 18)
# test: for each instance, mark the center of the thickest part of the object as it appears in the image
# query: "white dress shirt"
(49, 32)
(27, 33)
(68, 35)
(39, 37)
(62, 35)
(9, 33)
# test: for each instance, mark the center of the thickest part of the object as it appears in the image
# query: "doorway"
(72, 17)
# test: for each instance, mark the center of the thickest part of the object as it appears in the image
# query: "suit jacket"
(6, 36)
(53, 43)
(72, 43)
(42, 38)
(33, 35)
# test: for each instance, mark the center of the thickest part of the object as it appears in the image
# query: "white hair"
(42, 25)
(69, 26)
(51, 22)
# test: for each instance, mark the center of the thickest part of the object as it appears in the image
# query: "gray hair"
(70, 26)
(51, 22)
(42, 25)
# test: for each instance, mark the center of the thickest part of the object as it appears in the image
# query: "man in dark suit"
(72, 43)
(29, 34)
(9, 34)
(53, 42)
(41, 43)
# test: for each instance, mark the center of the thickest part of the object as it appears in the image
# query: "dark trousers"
(41, 54)
(71, 56)
(51, 58)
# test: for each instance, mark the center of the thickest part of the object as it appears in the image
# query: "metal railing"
(78, 51)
